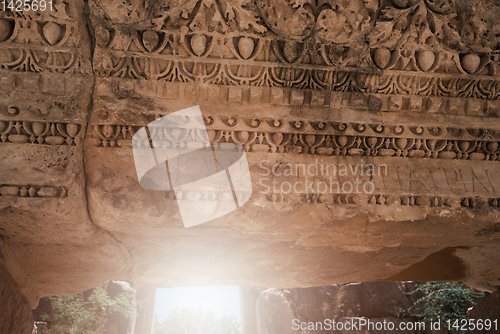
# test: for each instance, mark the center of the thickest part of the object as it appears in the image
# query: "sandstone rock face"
(370, 128)
(306, 310)
(15, 308)
(273, 313)
(46, 87)
(487, 308)
(372, 300)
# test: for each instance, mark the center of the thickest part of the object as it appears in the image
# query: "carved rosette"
(328, 21)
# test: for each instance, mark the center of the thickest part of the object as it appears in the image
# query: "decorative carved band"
(352, 199)
(45, 66)
(27, 58)
(31, 191)
(129, 54)
(407, 80)
(202, 195)
(298, 97)
(22, 132)
(416, 48)
(43, 41)
(330, 139)
(386, 200)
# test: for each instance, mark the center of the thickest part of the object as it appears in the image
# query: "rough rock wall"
(409, 85)
(487, 308)
(14, 307)
(281, 311)
(50, 243)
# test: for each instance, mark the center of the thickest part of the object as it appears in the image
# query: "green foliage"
(195, 321)
(442, 301)
(73, 314)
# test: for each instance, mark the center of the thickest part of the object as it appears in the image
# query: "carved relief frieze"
(330, 138)
(24, 132)
(336, 199)
(390, 50)
(250, 59)
(42, 41)
(45, 63)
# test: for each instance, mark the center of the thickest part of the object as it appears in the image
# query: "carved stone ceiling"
(412, 85)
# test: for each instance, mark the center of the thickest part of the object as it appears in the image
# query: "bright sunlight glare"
(222, 300)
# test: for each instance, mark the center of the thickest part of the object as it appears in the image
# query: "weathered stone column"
(248, 305)
(146, 298)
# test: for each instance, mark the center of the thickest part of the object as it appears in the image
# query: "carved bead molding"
(390, 48)
(203, 195)
(387, 200)
(32, 191)
(23, 132)
(329, 138)
(354, 199)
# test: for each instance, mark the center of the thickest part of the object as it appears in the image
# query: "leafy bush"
(442, 301)
(195, 321)
(74, 314)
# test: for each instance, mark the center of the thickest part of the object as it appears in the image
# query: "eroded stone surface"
(46, 87)
(15, 308)
(56, 269)
(307, 310)
(406, 87)
(486, 308)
